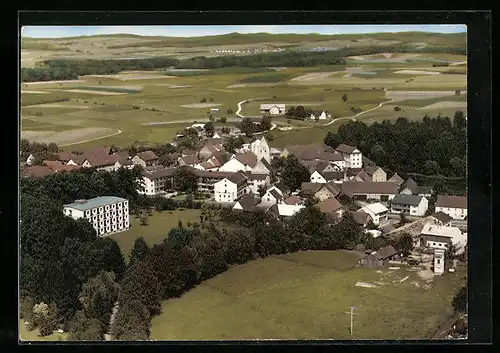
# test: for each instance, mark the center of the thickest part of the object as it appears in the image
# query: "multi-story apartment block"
(107, 214)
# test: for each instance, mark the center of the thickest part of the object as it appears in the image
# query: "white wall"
(225, 191)
(420, 209)
(233, 165)
(317, 178)
(455, 213)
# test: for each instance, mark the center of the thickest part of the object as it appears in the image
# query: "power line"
(352, 313)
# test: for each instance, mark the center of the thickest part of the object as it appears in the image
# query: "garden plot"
(417, 72)
(57, 105)
(444, 105)
(68, 136)
(50, 82)
(102, 93)
(314, 76)
(403, 95)
(34, 92)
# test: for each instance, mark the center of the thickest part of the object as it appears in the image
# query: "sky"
(196, 31)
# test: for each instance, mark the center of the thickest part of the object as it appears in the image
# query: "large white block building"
(107, 214)
(231, 188)
(412, 205)
(352, 156)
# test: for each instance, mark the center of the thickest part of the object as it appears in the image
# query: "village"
(341, 181)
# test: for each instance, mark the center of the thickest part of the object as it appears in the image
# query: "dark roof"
(451, 201)
(238, 178)
(57, 166)
(443, 217)
(159, 173)
(349, 188)
(329, 205)
(313, 151)
(403, 199)
(276, 194)
(343, 148)
(385, 252)
(65, 156)
(360, 217)
(364, 176)
(247, 158)
(266, 164)
(191, 159)
(332, 175)
(308, 188)
(396, 178)
(251, 176)
(36, 171)
(147, 156)
(247, 202)
(100, 160)
(411, 185)
(371, 169)
(333, 188)
(424, 190)
(292, 200)
(221, 156)
(367, 162)
(284, 189)
(353, 171)
(79, 159)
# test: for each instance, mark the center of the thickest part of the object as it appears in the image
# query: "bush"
(397, 109)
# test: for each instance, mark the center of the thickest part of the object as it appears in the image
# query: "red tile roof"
(147, 156)
(329, 205)
(36, 171)
(349, 188)
(451, 201)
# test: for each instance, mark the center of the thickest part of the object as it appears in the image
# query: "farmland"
(304, 296)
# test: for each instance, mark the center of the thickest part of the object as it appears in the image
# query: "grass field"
(159, 224)
(33, 335)
(304, 296)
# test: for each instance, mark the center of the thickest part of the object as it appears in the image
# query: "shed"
(379, 258)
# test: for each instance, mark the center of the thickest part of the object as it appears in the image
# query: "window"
(433, 243)
(439, 261)
(69, 212)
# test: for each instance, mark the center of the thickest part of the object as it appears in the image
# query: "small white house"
(273, 109)
(376, 211)
(412, 205)
(454, 206)
(30, 160)
(322, 116)
(439, 237)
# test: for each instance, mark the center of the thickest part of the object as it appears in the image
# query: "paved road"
(353, 118)
(97, 138)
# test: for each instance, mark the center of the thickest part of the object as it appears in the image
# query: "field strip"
(50, 82)
(417, 72)
(89, 91)
(34, 92)
(55, 105)
(353, 118)
(93, 139)
(238, 112)
(200, 105)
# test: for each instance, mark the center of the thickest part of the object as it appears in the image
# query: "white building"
(438, 261)
(351, 155)
(243, 162)
(261, 149)
(231, 188)
(107, 214)
(255, 181)
(155, 181)
(439, 237)
(30, 160)
(412, 205)
(273, 109)
(322, 116)
(326, 177)
(376, 211)
(284, 210)
(454, 206)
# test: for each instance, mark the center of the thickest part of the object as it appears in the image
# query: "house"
(376, 211)
(30, 160)
(234, 131)
(442, 218)
(331, 207)
(454, 206)
(379, 258)
(36, 171)
(58, 167)
(351, 155)
(273, 109)
(369, 190)
(255, 181)
(275, 152)
(231, 188)
(412, 205)
(315, 152)
(439, 237)
(326, 177)
(209, 150)
(107, 214)
(410, 187)
(188, 160)
(275, 194)
(156, 181)
(357, 174)
(284, 210)
(262, 167)
(145, 159)
(320, 166)
(208, 178)
(65, 157)
(246, 203)
(261, 149)
(244, 162)
(439, 261)
(327, 191)
(396, 178)
(320, 115)
(368, 162)
(376, 173)
(308, 189)
(360, 217)
(105, 162)
(293, 200)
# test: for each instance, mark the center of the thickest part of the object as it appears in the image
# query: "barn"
(379, 258)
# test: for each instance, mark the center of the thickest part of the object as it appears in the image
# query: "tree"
(132, 322)
(209, 129)
(459, 120)
(203, 100)
(402, 219)
(344, 97)
(82, 328)
(223, 120)
(450, 253)
(144, 217)
(229, 111)
(139, 251)
(458, 166)
(404, 244)
(347, 232)
(166, 160)
(459, 301)
(269, 136)
(185, 180)
(265, 123)
(247, 126)
(294, 173)
(431, 167)
(333, 140)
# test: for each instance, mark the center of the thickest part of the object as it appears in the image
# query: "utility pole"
(352, 313)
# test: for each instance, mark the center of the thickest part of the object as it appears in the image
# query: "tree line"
(435, 146)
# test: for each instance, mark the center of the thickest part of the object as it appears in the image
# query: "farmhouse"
(439, 237)
(284, 210)
(246, 203)
(262, 167)
(327, 191)
(369, 190)
(273, 109)
(308, 189)
(257, 180)
(209, 150)
(65, 157)
(322, 115)
(107, 214)
(293, 200)
(454, 206)
(36, 171)
(240, 162)
(410, 187)
(326, 177)
(145, 159)
(105, 162)
(376, 173)
(127, 163)
(442, 218)
(315, 152)
(379, 258)
(409, 204)
(231, 188)
(357, 174)
(351, 155)
(275, 194)
(396, 178)
(376, 211)
(30, 160)
(57, 166)
(331, 207)
(156, 181)
(189, 160)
